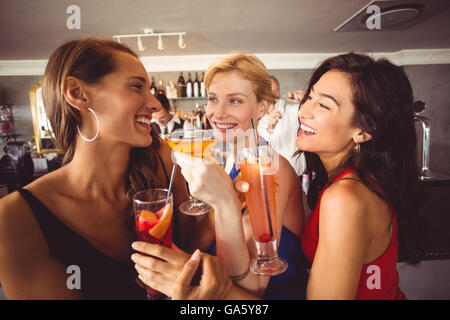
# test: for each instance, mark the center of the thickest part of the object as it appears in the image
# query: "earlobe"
(361, 137)
(74, 93)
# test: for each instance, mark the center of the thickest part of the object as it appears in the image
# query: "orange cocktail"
(251, 173)
(193, 142)
(258, 167)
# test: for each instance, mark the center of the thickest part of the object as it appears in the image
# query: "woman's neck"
(100, 170)
(331, 162)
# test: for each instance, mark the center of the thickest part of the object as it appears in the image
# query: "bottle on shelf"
(171, 91)
(181, 86)
(205, 122)
(161, 88)
(202, 86)
(153, 86)
(197, 116)
(189, 86)
(196, 85)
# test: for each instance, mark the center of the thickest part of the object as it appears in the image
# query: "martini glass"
(194, 143)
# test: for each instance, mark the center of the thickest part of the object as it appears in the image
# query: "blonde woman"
(239, 90)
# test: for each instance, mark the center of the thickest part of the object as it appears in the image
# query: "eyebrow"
(231, 94)
(138, 78)
(327, 96)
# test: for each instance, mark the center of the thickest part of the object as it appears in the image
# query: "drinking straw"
(171, 183)
(262, 181)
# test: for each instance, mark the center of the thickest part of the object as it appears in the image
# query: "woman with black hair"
(357, 131)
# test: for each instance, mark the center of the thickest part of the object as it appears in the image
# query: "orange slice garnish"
(147, 215)
(159, 230)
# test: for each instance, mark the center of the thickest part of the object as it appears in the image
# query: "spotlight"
(140, 44)
(181, 43)
(160, 43)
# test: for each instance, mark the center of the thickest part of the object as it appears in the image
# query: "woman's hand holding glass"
(172, 272)
(207, 180)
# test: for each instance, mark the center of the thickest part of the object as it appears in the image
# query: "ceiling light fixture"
(160, 43)
(181, 43)
(140, 44)
(151, 33)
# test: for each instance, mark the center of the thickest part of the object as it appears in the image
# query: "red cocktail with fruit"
(153, 211)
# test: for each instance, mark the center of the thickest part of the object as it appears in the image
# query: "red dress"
(379, 279)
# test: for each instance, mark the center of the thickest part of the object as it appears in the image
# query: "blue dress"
(290, 285)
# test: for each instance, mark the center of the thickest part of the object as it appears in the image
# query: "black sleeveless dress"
(102, 277)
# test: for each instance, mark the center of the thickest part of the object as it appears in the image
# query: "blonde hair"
(250, 67)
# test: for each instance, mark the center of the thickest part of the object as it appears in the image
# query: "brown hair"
(250, 67)
(89, 60)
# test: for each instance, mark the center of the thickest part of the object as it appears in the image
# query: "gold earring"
(357, 148)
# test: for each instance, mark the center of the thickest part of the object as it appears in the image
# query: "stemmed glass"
(192, 142)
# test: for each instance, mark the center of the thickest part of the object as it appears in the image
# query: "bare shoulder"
(344, 208)
(27, 268)
(19, 230)
(17, 218)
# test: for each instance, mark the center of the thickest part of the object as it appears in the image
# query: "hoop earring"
(357, 148)
(98, 128)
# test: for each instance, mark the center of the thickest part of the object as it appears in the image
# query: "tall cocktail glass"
(258, 168)
(153, 211)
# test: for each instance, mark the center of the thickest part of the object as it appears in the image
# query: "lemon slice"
(159, 230)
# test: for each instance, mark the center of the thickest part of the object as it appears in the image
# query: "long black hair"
(386, 164)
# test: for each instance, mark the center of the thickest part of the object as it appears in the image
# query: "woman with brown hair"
(357, 130)
(79, 217)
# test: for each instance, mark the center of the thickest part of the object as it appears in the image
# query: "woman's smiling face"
(232, 103)
(124, 104)
(326, 116)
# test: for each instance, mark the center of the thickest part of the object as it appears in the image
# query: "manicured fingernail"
(196, 255)
(245, 186)
(135, 245)
(133, 257)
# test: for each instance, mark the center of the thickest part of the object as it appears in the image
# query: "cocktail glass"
(258, 167)
(192, 142)
(153, 211)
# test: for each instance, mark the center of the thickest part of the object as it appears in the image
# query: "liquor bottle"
(161, 88)
(181, 86)
(171, 91)
(153, 86)
(202, 86)
(189, 86)
(196, 86)
(197, 112)
(205, 122)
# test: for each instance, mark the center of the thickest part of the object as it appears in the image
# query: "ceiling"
(33, 29)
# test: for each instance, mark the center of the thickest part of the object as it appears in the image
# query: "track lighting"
(160, 43)
(140, 44)
(181, 43)
(151, 33)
